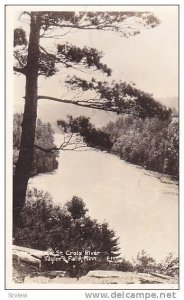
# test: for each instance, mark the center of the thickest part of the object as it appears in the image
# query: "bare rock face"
(26, 261)
(33, 252)
(120, 277)
(26, 258)
(105, 277)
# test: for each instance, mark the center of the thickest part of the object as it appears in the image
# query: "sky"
(149, 59)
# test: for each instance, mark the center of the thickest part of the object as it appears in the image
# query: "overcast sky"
(149, 59)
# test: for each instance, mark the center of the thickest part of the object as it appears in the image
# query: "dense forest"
(152, 142)
(43, 161)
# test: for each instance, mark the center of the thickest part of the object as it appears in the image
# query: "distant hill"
(50, 111)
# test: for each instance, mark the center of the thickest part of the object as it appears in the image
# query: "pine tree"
(33, 60)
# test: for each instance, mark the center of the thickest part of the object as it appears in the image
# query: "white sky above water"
(149, 59)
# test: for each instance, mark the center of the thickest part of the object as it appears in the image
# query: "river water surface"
(142, 210)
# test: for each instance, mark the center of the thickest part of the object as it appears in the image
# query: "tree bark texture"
(24, 163)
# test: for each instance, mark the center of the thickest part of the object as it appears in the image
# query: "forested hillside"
(151, 143)
(43, 161)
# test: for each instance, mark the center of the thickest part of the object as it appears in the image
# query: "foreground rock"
(119, 277)
(27, 268)
(105, 277)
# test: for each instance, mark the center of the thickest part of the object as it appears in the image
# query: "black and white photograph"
(92, 146)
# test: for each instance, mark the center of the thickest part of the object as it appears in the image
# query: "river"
(139, 207)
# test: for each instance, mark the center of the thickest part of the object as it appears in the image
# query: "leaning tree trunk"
(24, 163)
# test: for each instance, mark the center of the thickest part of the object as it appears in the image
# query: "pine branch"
(114, 21)
(19, 61)
(76, 144)
(60, 60)
(78, 103)
(55, 36)
(50, 150)
(24, 13)
(20, 70)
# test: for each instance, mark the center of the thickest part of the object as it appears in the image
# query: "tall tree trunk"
(24, 163)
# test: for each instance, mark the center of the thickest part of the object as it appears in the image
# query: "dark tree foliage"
(46, 225)
(124, 266)
(92, 137)
(43, 161)
(76, 208)
(19, 37)
(86, 56)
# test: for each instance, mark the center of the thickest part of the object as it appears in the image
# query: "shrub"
(145, 263)
(46, 225)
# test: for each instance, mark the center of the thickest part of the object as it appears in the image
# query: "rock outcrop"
(27, 268)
